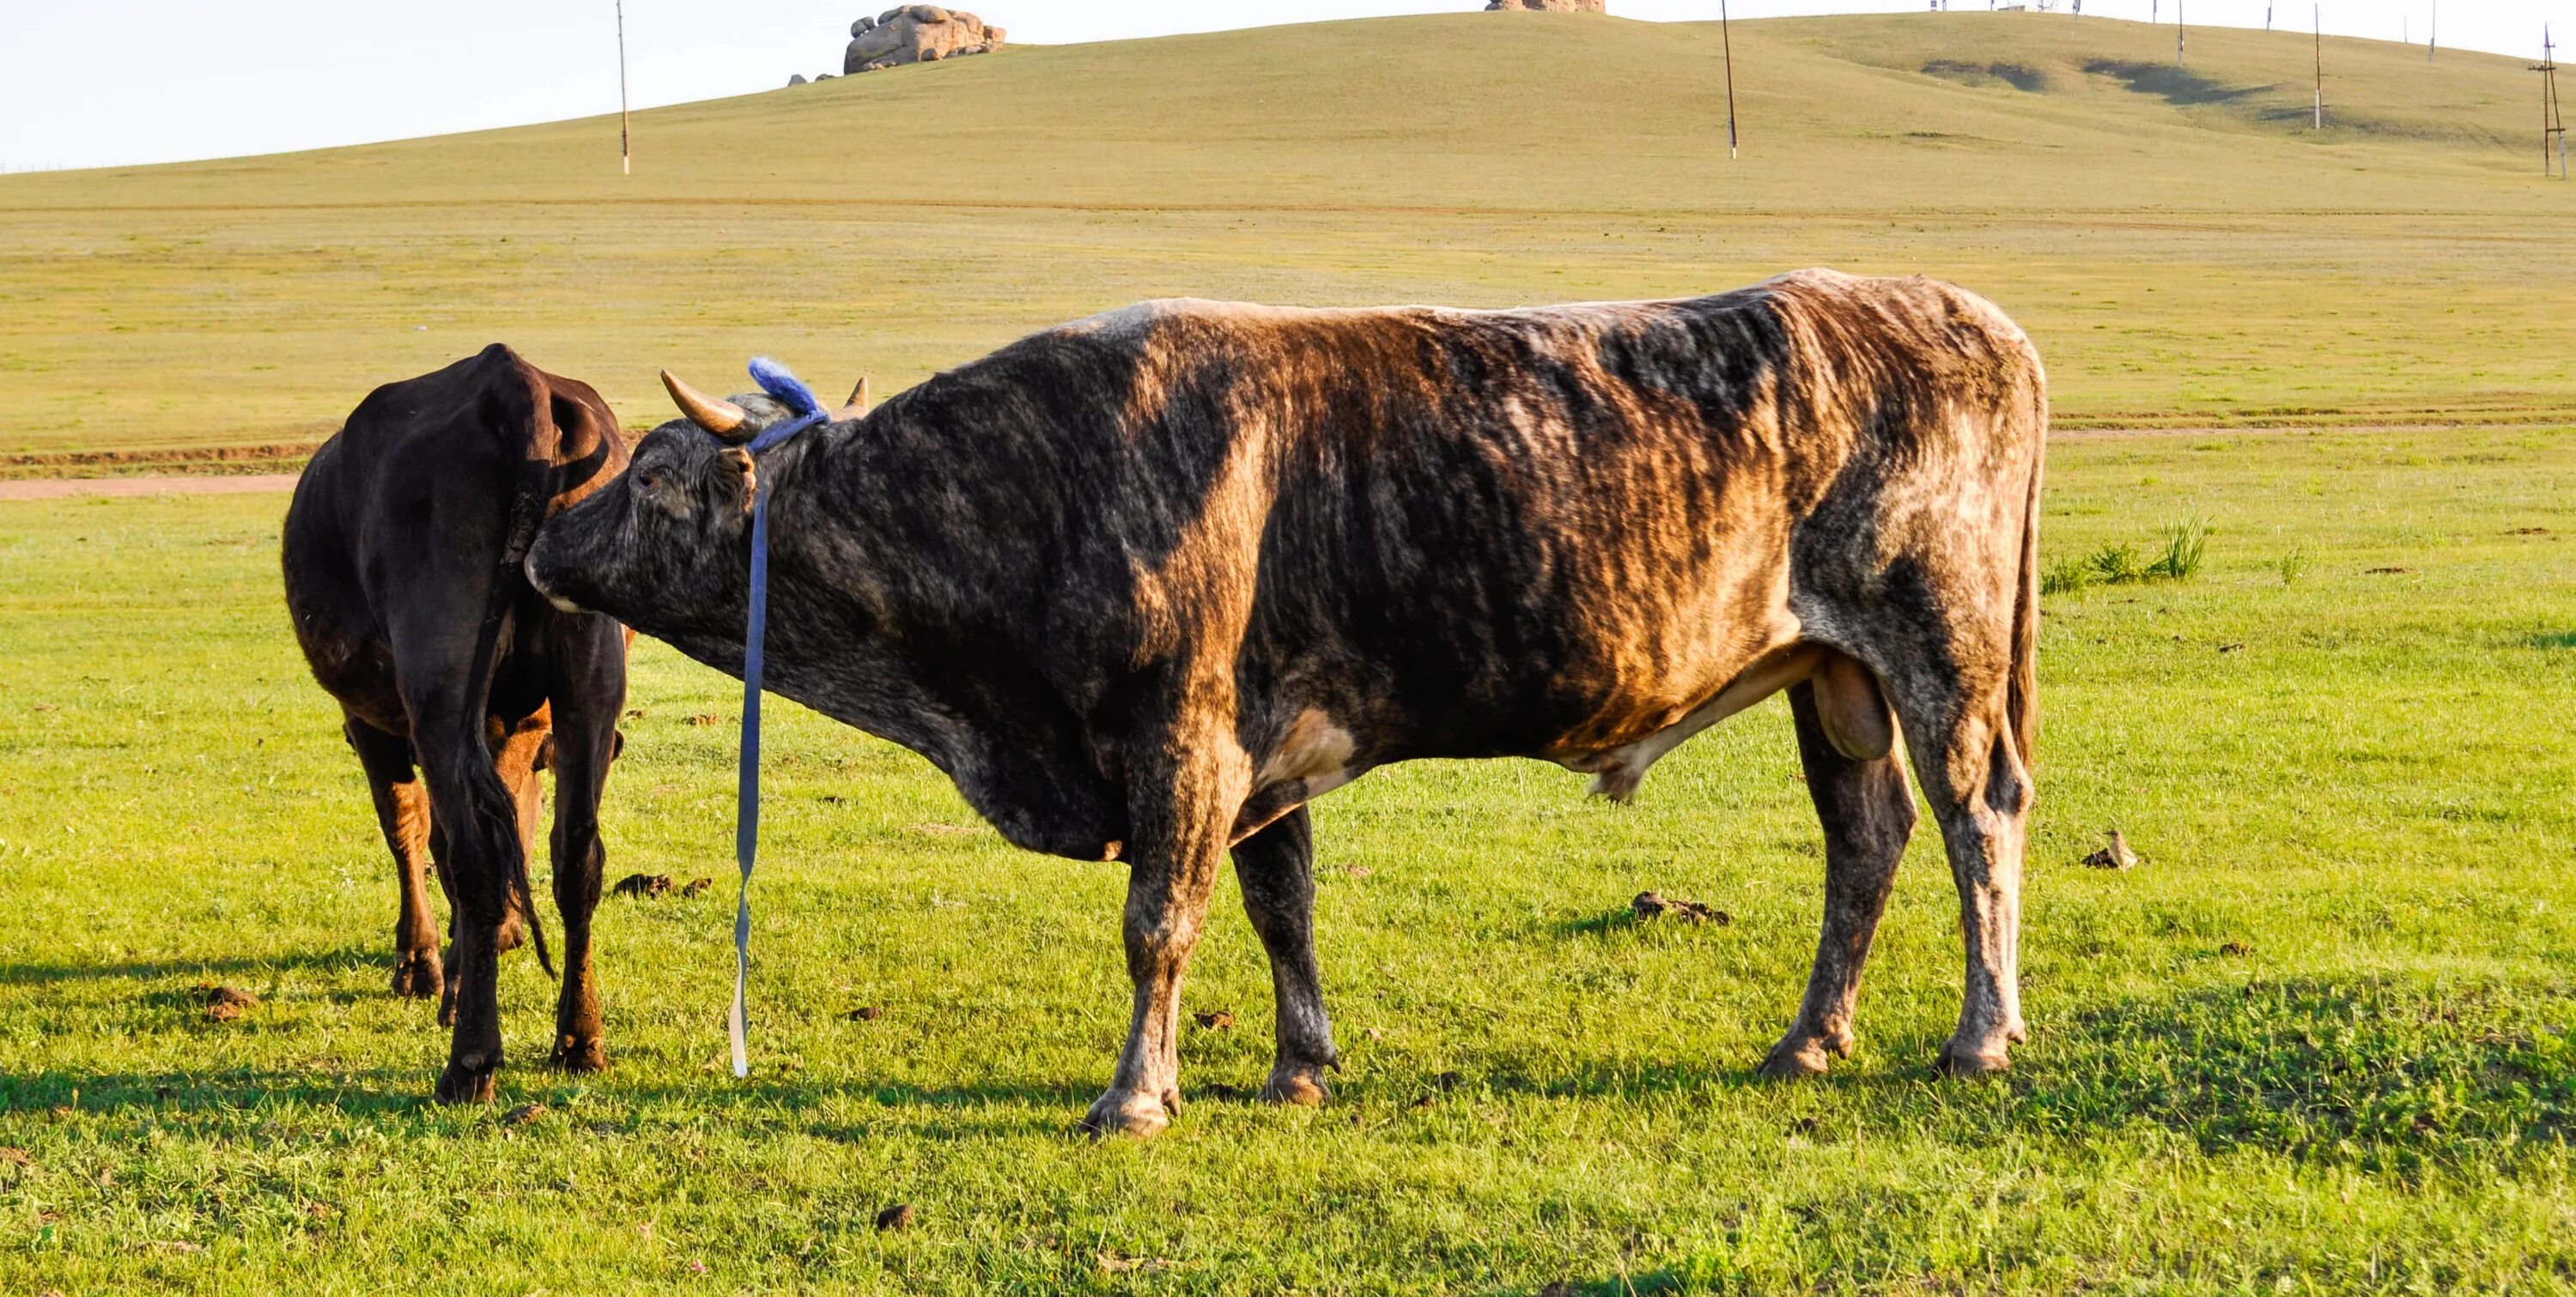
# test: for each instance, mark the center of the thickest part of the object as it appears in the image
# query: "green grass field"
(2318, 1041)
(2184, 249)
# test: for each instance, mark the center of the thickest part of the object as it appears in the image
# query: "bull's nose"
(528, 567)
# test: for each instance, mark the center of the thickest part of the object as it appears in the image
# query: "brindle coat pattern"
(1144, 584)
(402, 562)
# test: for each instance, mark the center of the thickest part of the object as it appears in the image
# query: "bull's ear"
(734, 473)
(720, 417)
(857, 408)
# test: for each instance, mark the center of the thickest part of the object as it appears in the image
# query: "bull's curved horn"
(858, 404)
(721, 417)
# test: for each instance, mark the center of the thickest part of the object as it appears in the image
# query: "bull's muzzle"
(528, 567)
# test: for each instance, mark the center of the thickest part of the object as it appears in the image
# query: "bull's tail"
(525, 422)
(2021, 701)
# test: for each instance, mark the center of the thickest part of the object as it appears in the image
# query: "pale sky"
(113, 82)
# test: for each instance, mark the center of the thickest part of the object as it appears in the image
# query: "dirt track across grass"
(207, 484)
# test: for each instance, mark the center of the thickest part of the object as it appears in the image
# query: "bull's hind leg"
(1868, 814)
(1980, 792)
(1277, 869)
(402, 812)
(589, 692)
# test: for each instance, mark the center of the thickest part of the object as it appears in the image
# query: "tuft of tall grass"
(2293, 565)
(2186, 545)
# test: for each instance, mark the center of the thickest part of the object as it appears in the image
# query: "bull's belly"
(1626, 729)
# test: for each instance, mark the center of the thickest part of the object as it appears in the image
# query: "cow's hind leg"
(1980, 792)
(589, 692)
(1277, 870)
(479, 821)
(402, 812)
(1868, 814)
(518, 754)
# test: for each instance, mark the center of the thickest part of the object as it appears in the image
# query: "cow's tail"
(2021, 702)
(529, 431)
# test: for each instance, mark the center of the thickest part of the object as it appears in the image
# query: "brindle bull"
(1146, 584)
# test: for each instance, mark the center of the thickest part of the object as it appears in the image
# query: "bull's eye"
(649, 480)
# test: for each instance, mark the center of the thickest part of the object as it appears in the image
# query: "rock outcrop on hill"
(917, 34)
(1552, 6)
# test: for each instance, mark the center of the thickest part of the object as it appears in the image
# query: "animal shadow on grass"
(2383, 1074)
(223, 1097)
(219, 1096)
(343, 960)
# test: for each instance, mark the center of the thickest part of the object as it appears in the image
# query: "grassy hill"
(2184, 248)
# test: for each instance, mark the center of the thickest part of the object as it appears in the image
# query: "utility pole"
(2317, 12)
(2553, 118)
(1726, 38)
(625, 154)
(2177, 33)
(2433, 32)
(2267, 15)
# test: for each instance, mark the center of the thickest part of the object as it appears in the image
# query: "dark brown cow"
(402, 560)
(1145, 584)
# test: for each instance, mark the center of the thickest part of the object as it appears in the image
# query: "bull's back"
(1563, 529)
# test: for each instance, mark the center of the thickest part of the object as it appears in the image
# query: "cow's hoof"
(1117, 1113)
(1964, 1061)
(579, 1054)
(464, 1084)
(417, 975)
(1799, 1056)
(1299, 1085)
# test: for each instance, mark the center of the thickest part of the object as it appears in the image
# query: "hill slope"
(2179, 240)
(1511, 111)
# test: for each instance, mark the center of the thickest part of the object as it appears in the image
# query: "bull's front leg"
(1183, 793)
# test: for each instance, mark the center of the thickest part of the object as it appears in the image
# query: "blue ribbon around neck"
(782, 387)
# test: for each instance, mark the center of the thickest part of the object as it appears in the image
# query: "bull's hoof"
(1125, 1113)
(1965, 1061)
(466, 1083)
(1799, 1056)
(579, 1054)
(1297, 1085)
(417, 975)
